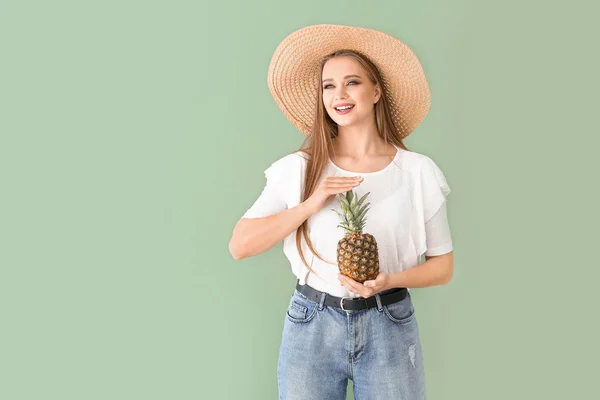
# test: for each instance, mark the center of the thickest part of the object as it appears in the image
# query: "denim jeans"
(322, 347)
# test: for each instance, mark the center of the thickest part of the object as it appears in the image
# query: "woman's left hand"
(368, 288)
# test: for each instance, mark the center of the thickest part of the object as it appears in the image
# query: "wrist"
(309, 207)
(394, 280)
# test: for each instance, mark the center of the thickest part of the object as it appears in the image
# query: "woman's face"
(346, 82)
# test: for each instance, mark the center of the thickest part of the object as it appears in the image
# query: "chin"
(346, 122)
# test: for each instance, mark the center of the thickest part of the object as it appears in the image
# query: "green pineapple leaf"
(349, 195)
(345, 208)
(344, 200)
(363, 223)
(362, 199)
(363, 211)
(363, 207)
(352, 208)
(345, 227)
(353, 202)
(342, 216)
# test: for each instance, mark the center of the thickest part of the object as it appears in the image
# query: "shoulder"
(416, 161)
(431, 177)
(424, 169)
(297, 158)
(287, 165)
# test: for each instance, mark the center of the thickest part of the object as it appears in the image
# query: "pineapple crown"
(354, 215)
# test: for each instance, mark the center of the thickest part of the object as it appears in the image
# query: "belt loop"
(322, 301)
(378, 298)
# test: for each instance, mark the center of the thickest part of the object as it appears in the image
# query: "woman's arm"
(252, 236)
(436, 270)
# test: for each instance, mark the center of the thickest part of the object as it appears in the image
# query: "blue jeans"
(322, 347)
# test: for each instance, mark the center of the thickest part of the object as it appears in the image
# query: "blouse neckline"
(394, 159)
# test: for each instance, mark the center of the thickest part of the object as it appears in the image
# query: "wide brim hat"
(293, 76)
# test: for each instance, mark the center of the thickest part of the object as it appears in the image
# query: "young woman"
(356, 94)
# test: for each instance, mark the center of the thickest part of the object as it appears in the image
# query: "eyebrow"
(346, 77)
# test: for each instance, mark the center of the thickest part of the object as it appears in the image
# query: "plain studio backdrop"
(135, 134)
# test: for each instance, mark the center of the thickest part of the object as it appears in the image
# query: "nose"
(340, 92)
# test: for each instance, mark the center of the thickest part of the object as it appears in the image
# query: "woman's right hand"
(330, 187)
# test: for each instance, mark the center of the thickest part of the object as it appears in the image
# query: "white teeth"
(343, 108)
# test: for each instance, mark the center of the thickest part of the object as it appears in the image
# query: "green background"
(135, 134)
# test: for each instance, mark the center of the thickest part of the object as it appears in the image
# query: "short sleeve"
(437, 231)
(434, 188)
(281, 177)
(429, 231)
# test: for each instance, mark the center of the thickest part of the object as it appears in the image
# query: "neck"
(359, 142)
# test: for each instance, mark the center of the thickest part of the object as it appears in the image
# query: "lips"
(343, 112)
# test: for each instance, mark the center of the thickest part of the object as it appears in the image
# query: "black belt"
(389, 296)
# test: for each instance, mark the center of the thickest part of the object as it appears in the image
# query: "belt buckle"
(342, 303)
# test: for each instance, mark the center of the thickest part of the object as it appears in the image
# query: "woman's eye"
(326, 86)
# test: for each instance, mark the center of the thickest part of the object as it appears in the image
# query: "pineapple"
(357, 253)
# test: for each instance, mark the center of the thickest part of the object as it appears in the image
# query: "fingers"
(332, 186)
(345, 179)
(355, 287)
(340, 189)
(343, 184)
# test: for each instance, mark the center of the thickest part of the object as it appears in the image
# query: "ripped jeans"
(322, 347)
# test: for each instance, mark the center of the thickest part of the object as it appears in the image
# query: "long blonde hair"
(319, 144)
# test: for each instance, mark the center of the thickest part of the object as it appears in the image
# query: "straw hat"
(293, 76)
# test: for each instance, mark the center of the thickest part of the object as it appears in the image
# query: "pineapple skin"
(358, 256)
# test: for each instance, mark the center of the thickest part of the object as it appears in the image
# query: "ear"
(377, 94)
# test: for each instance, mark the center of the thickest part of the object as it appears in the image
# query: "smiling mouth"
(344, 110)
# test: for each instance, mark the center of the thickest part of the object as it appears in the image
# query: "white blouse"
(407, 215)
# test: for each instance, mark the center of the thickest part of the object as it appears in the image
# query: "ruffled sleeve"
(283, 180)
(438, 235)
(430, 191)
(434, 188)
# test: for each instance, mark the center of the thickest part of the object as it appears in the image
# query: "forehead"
(338, 67)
